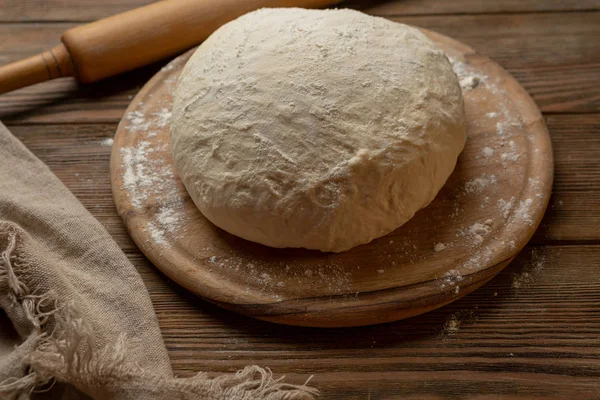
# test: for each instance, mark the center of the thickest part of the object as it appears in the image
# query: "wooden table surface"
(532, 332)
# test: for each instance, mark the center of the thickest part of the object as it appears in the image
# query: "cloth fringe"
(67, 354)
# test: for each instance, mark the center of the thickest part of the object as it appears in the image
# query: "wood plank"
(441, 7)
(89, 10)
(65, 10)
(554, 57)
(531, 332)
(23, 40)
(75, 153)
(573, 212)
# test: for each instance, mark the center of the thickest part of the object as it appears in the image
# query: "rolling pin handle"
(51, 64)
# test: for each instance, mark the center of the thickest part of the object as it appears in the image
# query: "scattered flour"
(506, 206)
(439, 247)
(108, 142)
(484, 203)
(512, 153)
(163, 117)
(451, 278)
(500, 129)
(140, 122)
(478, 185)
(456, 320)
(450, 281)
(522, 211)
(468, 76)
(469, 83)
(527, 275)
(156, 233)
(476, 232)
(452, 325)
(478, 260)
(534, 183)
(487, 152)
(491, 114)
(148, 177)
(137, 122)
(167, 217)
(136, 178)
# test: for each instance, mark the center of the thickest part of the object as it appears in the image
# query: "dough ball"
(322, 129)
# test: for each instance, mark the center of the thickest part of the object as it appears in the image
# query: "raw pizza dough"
(322, 129)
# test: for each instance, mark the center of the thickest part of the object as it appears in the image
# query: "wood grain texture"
(554, 57)
(75, 153)
(530, 333)
(90, 10)
(442, 7)
(536, 341)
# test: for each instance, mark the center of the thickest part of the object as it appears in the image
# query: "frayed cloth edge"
(68, 355)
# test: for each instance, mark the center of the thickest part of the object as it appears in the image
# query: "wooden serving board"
(484, 215)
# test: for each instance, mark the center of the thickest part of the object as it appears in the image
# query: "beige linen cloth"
(76, 320)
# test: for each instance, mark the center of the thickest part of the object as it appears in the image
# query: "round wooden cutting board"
(484, 215)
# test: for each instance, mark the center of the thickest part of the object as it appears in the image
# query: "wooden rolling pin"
(132, 39)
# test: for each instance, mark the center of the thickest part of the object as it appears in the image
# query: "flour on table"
(108, 142)
(457, 320)
(452, 325)
(529, 271)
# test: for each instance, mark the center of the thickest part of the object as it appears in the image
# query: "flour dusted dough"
(322, 129)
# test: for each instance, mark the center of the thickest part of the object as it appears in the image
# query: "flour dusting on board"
(148, 176)
(468, 77)
(451, 280)
(479, 184)
(269, 277)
